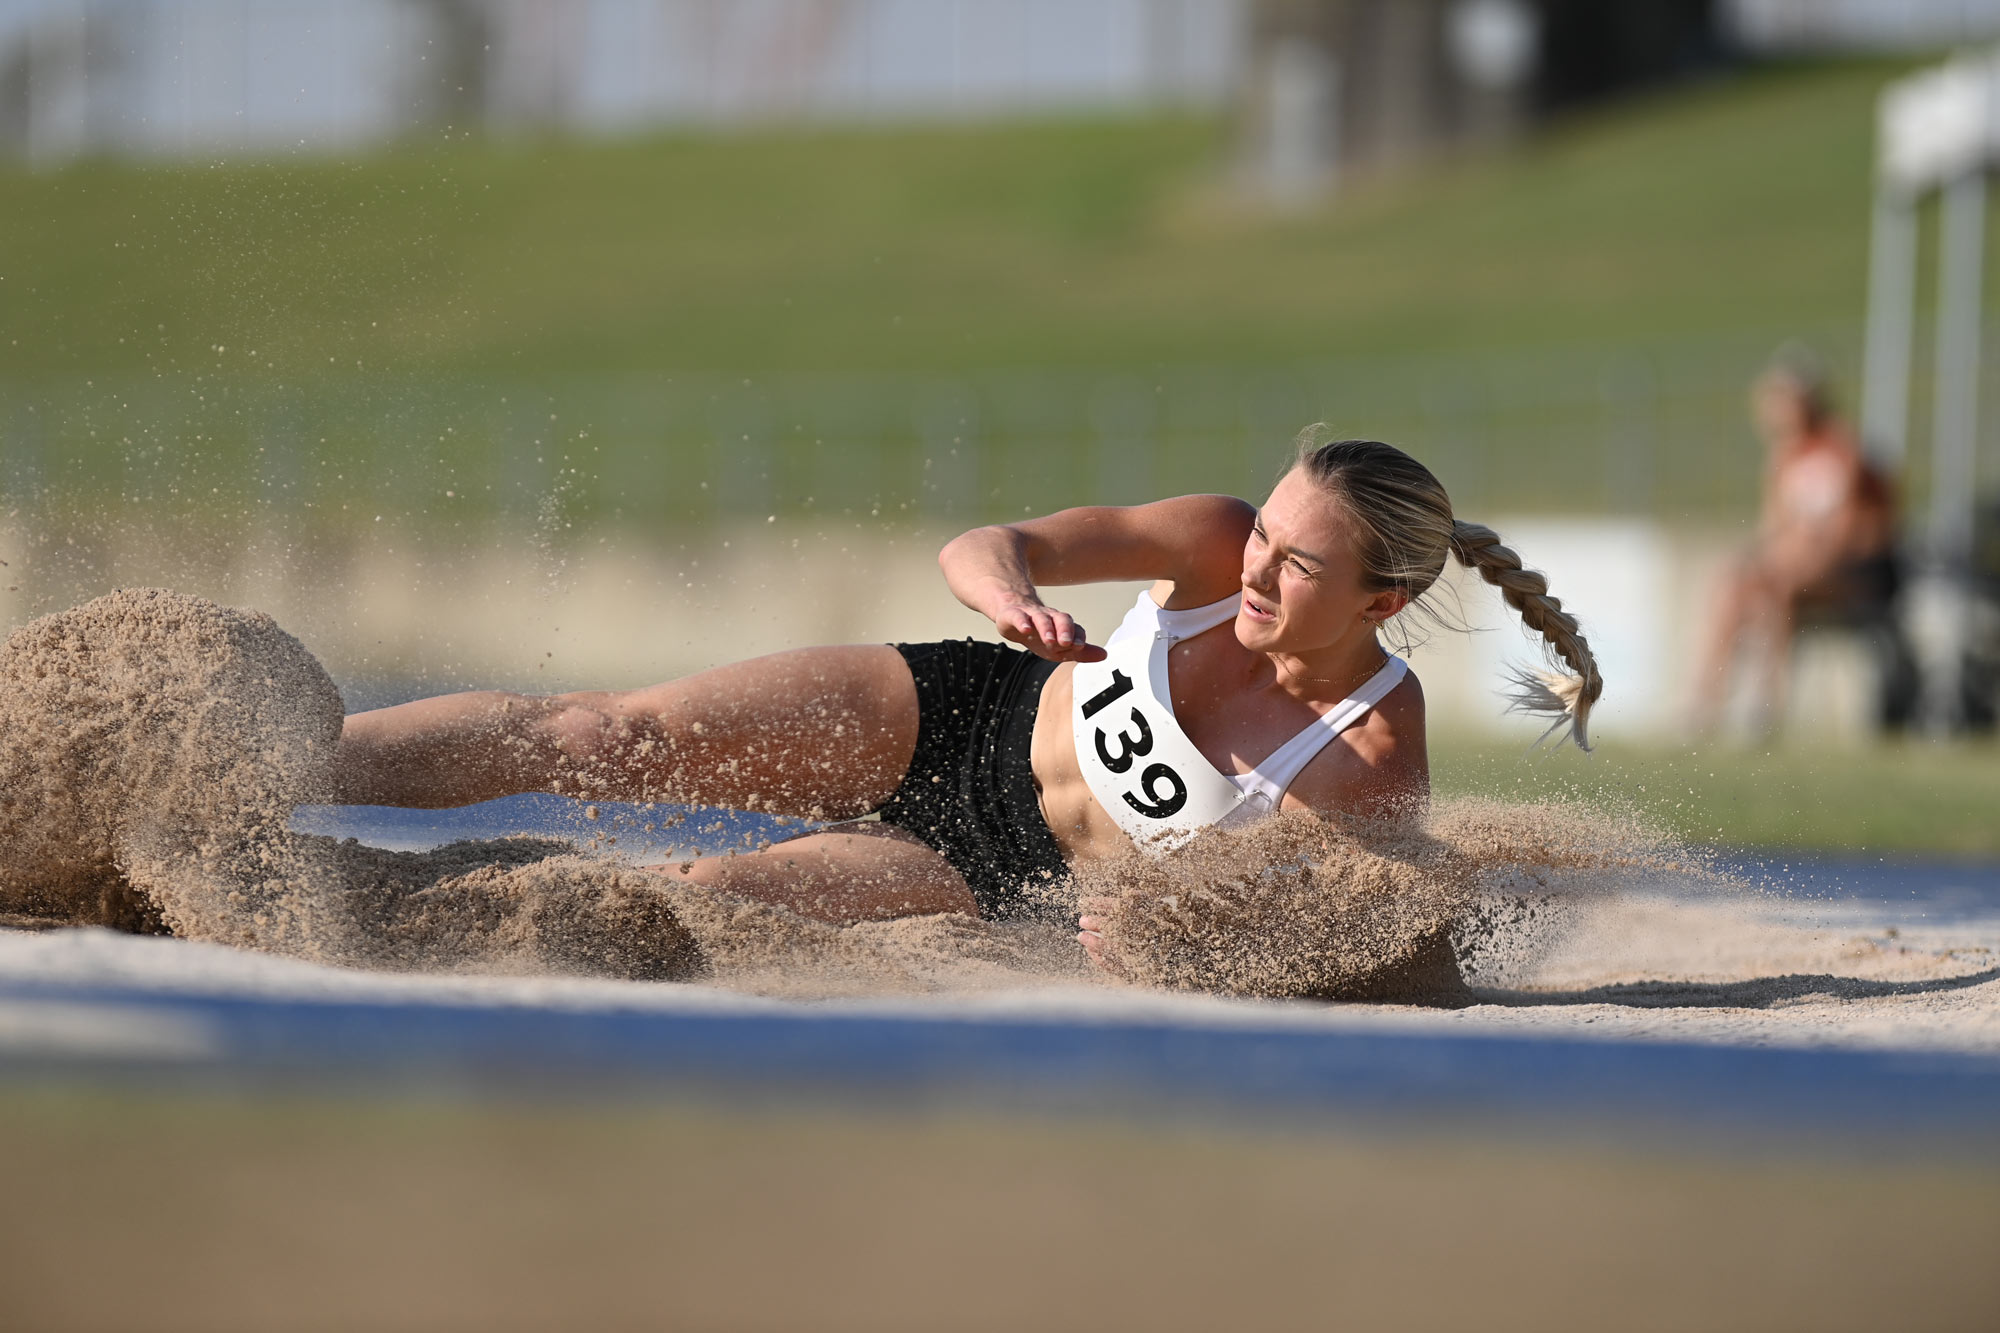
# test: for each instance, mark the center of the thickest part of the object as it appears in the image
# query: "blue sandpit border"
(1122, 1066)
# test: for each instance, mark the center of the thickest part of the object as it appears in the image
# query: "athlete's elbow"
(966, 546)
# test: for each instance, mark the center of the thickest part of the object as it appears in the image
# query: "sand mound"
(153, 746)
(147, 728)
(1290, 906)
(514, 905)
(1295, 906)
(757, 946)
(152, 749)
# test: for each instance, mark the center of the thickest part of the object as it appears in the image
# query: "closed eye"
(1257, 531)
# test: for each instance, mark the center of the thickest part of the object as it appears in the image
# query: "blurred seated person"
(1824, 551)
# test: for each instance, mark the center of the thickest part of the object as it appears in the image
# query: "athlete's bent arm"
(1194, 542)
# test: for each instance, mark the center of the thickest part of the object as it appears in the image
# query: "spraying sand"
(153, 746)
(1293, 906)
(152, 749)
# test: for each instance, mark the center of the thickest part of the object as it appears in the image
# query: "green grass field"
(1911, 798)
(1101, 243)
(849, 303)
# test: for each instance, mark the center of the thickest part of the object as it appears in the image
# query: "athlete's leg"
(867, 872)
(820, 733)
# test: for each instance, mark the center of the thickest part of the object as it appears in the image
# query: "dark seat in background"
(1865, 601)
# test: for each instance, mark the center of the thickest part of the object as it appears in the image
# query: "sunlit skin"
(1304, 639)
(828, 732)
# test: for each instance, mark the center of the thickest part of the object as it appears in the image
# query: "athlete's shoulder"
(1217, 512)
(1206, 533)
(1197, 518)
(1375, 767)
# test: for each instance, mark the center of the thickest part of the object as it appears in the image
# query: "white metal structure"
(1937, 131)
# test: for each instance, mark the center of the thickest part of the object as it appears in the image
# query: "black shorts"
(970, 793)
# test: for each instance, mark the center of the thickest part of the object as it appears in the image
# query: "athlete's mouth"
(1257, 610)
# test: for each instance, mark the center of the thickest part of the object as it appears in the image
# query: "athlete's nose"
(1257, 574)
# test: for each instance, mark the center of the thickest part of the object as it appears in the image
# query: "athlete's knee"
(584, 728)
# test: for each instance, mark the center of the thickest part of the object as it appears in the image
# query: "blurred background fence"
(1654, 430)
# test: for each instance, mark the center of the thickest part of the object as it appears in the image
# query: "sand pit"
(153, 747)
(1751, 968)
(1650, 967)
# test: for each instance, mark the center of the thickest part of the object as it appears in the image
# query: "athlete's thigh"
(868, 872)
(817, 732)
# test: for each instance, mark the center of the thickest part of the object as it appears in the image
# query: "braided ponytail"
(1404, 530)
(1564, 696)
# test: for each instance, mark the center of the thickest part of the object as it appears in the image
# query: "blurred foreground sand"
(228, 1212)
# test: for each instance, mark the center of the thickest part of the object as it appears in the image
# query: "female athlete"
(1251, 677)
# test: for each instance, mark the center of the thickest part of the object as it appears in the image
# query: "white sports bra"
(1142, 767)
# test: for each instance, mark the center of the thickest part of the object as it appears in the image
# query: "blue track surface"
(1703, 1090)
(676, 828)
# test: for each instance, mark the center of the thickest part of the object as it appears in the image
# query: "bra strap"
(1193, 620)
(1270, 779)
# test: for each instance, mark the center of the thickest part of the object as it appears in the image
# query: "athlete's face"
(1302, 582)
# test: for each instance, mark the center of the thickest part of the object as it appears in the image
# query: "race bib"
(1140, 765)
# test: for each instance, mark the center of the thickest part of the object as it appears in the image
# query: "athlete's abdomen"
(1080, 826)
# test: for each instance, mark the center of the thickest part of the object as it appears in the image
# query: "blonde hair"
(1406, 528)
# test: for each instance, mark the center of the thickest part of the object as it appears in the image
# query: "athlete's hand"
(1046, 632)
(1090, 933)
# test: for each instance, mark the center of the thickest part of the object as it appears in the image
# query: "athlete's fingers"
(1041, 638)
(1090, 928)
(1093, 948)
(1071, 642)
(1018, 625)
(1047, 633)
